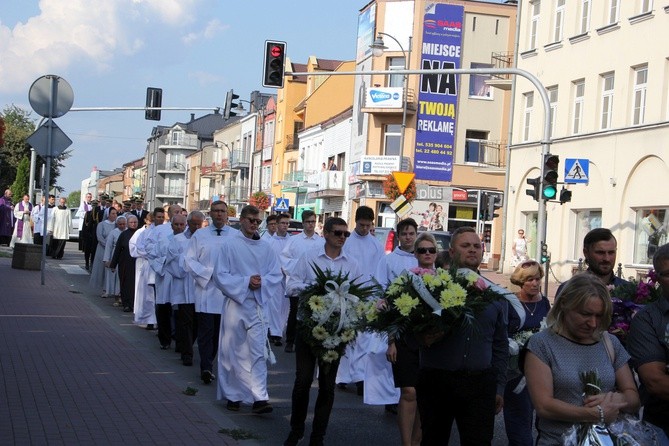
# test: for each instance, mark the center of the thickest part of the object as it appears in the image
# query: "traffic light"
(275, 57)
(534, 192)
(549, 184)
(492, 205)
(545, 257)
(483, 212)
(154, 98)
(565, 196)
(229, 104)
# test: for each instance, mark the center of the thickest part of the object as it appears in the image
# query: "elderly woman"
(575, 342)
(517, 405)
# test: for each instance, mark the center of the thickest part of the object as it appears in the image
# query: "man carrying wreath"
(463, 373)
(327, 256)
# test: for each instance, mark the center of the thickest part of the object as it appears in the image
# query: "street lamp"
(378, 47)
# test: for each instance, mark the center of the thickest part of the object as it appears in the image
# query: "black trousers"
(38, 239)
(185, 329)
(467, 398)
(57, 247)
(208, 328)
(305, 365)
(291, 325)
(164, 320)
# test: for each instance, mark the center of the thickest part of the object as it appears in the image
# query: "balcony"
(176, 191)
(171, 167)
(214, 169)
(299, 175)
(292, 142)
(389, 100)
(501, 60)
(240, 159)
(330, 184)
(485, 152)
(189, 142)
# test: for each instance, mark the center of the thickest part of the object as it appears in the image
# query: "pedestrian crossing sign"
(576, 170)
(281, 205)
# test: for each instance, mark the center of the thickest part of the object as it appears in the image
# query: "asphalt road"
(351, 422)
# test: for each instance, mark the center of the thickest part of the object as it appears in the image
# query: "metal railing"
(170, 191)
(502, 60)
(292, 142)
(485, 152)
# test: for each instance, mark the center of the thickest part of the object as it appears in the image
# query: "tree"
(18, 127)
(2, 131)
(74, 199)
(20, 186)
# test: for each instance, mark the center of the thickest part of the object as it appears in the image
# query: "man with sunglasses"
(462, 375)
(298, 244)
(249, 275)
(328, 255)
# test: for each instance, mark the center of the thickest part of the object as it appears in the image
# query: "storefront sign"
(379, 165)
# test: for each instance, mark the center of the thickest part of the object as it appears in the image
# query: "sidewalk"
(71, 377)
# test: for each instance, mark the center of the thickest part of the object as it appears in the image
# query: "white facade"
(606, 70)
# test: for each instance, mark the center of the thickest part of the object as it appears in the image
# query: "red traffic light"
(276, 51)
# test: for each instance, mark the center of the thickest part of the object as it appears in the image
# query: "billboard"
(438, 93)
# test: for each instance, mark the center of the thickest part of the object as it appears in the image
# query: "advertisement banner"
(438, 93)
(384, 97)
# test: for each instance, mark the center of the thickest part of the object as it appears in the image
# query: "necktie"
(218, 231)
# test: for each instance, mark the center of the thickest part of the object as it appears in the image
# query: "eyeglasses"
(340, 233)
(256, 221)
(426, 250)
(528, 264)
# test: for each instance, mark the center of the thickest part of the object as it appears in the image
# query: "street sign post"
(576, 170)
(282, 205)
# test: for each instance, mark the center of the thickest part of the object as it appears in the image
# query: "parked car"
(387, 237)
(76, 224)
(233, 222)
(443, 239)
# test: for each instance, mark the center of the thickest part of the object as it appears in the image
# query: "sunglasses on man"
(346, 234)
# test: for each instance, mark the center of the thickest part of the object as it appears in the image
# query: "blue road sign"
(282, 205)
(576, 170)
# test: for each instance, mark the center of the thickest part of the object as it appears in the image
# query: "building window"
(586, 221)
(614, 10)
(534, 25)
(475, 146)
(646, 6)
(607, 100)
(176, 138)
(477, 85)
(579, 103)
(396, 80)
(527, 117)
(559, 21)
(585, 16)
(391, 140)
(640, 84)
(553, 97)
(650, 232)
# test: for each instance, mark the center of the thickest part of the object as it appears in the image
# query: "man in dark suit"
(140, 212)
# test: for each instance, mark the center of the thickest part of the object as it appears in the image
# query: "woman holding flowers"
(403, 352)
(574, 354)
(517, 405)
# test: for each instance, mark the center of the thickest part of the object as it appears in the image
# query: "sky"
(195, 50)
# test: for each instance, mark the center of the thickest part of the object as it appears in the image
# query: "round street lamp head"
(378, 47)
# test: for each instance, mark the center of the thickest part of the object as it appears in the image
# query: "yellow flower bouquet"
(429, 301)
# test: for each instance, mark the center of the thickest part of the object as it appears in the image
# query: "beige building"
(468, 124)
(604, 65)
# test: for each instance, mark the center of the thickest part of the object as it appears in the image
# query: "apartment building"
(605, 67)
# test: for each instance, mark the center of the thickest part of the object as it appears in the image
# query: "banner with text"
(437, 98)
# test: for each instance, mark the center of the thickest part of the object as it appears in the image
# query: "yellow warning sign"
(403, 179)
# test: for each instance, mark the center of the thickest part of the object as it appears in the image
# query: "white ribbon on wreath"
(341, 300)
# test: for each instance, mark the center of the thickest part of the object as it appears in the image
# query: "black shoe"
(316, 441)
(293, 439)
(260, 407)
(149, 326)
(187, 360)
(233, 405)
(391, 408)
(165, 347)
(127, 309)
(276, 340)
(207, 377)
(290, 348)
(360, 388)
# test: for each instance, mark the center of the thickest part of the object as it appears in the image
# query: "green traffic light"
(550, 192)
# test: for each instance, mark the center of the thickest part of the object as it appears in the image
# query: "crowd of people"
(235, 293)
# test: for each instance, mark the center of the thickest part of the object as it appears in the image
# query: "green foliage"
(74, 199)
(20, 186)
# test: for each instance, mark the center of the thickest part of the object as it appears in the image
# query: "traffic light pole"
(541, 89)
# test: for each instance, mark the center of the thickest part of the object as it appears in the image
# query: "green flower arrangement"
(331, 311)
